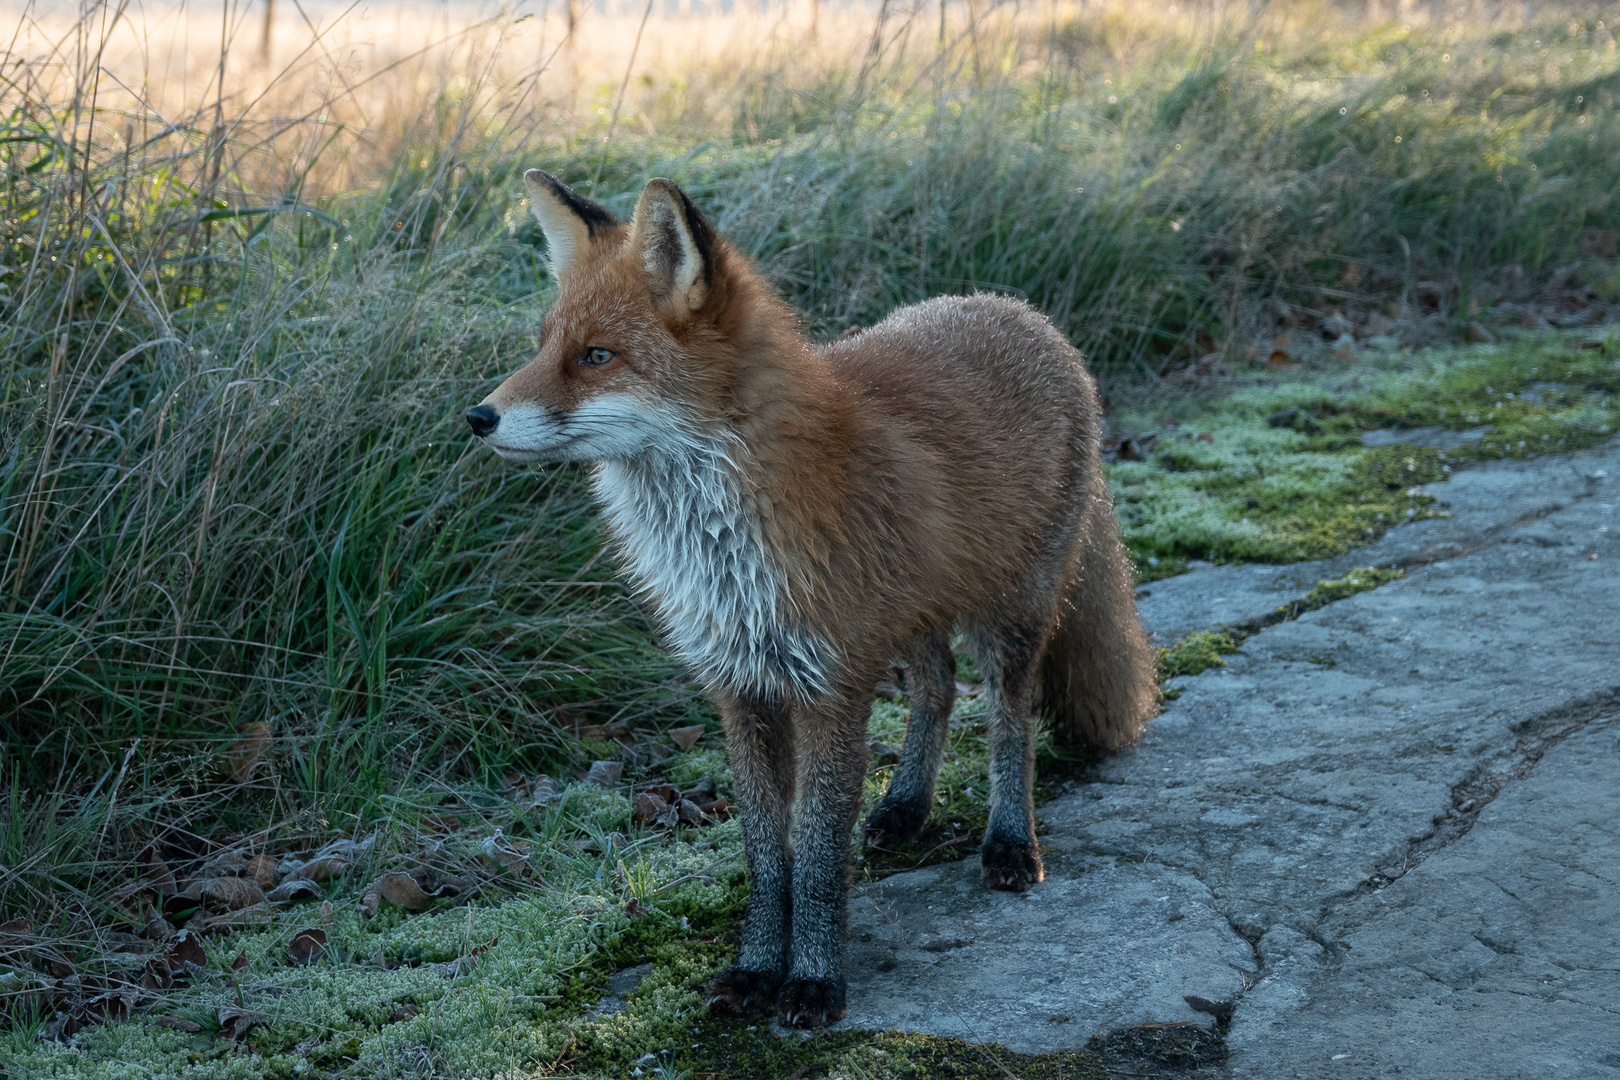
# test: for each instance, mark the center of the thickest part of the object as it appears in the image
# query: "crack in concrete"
(1484, 783)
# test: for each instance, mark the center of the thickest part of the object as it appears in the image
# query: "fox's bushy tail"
(1097, 685)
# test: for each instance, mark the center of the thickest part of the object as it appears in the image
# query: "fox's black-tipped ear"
(571, 222)
(676, 243)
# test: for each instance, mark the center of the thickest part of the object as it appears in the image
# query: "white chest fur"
(694, 549)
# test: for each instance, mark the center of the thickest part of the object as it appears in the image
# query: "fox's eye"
(596, 356)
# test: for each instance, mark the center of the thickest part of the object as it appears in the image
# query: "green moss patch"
(1276, 470)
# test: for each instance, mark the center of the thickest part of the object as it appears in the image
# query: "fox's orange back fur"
(803, 514)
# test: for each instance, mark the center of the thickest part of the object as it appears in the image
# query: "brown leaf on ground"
(381, 960)
(15, 928)
(509, 853)
(333, 860)
(293, 889)
(155, 873)
(156, 975)
(650, 810)
(157, 928)
(371, 902)
(605, 773)
(1279, 358)
(403, 890)
(884, 752)
(307, 946)
(545, 790)
(240, 962)
(185, 953)
(442, 823)
(404, 1012)
(261, 870)
(248, 752)
(687, 737)
(225, 893)
(178, 1023)
(234, 1022)
(688, 812)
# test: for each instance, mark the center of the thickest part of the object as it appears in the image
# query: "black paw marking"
(811, 1003)
(738, 992)
(1011, 867)
(895, 823)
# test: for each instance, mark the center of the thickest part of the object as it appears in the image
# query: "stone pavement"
(1382, 841)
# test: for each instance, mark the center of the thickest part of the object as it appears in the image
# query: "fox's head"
(636, 331)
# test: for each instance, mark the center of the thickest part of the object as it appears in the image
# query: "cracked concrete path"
(1382, 840)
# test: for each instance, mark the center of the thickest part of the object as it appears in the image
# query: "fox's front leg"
(832, 757)
(931, 683)
(759, 739)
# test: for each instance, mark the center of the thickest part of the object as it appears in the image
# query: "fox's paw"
(895, 823)
(738, 992)
(1011, 867)
(811, 1003)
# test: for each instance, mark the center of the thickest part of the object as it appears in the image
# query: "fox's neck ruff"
(695, 546)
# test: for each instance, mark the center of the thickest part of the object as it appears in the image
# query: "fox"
(801, 517)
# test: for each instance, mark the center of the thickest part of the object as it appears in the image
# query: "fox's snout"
(482, 419)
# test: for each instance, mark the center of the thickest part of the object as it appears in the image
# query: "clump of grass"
(1197, 652)
(1327, 592)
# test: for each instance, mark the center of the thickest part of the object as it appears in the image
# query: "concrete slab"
(1401, 806)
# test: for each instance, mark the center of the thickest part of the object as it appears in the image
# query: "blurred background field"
(254, 581)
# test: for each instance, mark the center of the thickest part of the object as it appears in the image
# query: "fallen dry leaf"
(450, 822)
(225, 893)
(649, 809)
(247, 752)
(185, 953)
(689, 812)
(509, 853)
(333, 860)
(605, 773)
(261, 869)
(371, 902)
(178, 1023)
(156, 975)
(545, 790)
(884, 752)
(157, 928)
(401, 890)
(234, 1023)
(293, 889)
(155, 873)
(240, 962)
(687, 737)
(307, 946)
(381, 960)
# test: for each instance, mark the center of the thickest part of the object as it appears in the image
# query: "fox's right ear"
(572, 223)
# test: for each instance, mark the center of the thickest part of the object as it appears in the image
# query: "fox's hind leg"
(1007, 656)
(759, 739)
(931, 681)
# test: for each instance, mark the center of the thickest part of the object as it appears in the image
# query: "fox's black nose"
(482, 419)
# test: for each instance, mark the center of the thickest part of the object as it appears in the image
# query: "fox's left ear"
(677, 244)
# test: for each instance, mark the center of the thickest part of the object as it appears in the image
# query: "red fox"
(801, 516)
